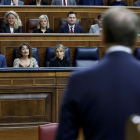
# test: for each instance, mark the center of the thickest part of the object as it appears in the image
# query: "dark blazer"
(137, 3)
(8, 2)
(48, 30)
(86, 2)
(65, 29)
(56, 62)
(113, 3)
(2, 61)
(43, 2)
(5, 29)
(101, 98)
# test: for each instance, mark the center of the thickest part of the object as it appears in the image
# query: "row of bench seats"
(84, 56)
(31, 23)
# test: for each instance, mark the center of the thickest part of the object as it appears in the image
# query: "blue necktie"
(91, 2)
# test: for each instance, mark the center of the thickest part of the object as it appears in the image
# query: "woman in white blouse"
(25, 59)
(13, 23)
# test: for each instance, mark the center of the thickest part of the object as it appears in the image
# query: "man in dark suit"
(71, 27)
(2, 61)
(91, 2)
(11, 2)
(101, 98)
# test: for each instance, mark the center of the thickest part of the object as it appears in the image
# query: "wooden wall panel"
(19, 133)
(26, 107)
(59, 95)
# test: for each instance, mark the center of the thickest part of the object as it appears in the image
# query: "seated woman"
(60, 59)
(25, 59)
(43, 25)
(38, 2)
(13, 23)
(118, 3)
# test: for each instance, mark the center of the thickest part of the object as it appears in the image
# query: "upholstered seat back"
(48, 131)
(64, 21)
(51, 54)
(35, 55)
(86, 56)
(31, 24)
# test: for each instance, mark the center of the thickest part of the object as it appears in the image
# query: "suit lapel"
(8, 28)
(75, 28)
(67, 28)
(97, 28)
(60, 1)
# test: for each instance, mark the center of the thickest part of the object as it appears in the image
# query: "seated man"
(11, 2)
(117, 3)
(71, 27)
(137, 3)
(97, 27)
(63, 2)
(2, 61)
(91, 2)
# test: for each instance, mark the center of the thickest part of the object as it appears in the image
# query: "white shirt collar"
(71, 26)
(118, 48)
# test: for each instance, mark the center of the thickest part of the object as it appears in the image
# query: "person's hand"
(15, 2)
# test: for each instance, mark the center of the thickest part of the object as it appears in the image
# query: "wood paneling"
(26, 107)
(19, 133)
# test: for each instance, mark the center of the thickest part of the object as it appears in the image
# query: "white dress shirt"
(12, 2)
(70, 28)
(63, 2)
(118, 48)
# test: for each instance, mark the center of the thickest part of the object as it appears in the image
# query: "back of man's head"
(120, 27)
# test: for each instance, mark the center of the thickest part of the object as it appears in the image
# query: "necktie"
(64, 2)
(71, 31)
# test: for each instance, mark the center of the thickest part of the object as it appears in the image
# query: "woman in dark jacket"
(43, 25)
(60, 59)
(117, 3)
(13, 23)
(38, 2)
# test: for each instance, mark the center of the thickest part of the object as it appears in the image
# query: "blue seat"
(35, 55)
(51, 54)
(86, 56)
(137, 53)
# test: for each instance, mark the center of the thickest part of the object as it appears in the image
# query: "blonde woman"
(13, 23)
(43, 25)
(60, 60)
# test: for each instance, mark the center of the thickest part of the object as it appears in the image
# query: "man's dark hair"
(71, 12)
(99, 16)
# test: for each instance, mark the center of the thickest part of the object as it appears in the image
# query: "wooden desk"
(28, 99)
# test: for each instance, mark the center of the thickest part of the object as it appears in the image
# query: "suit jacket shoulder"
(137, 3)
(20, 2)
(94, 29)
(43, 2)
(2, 61)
